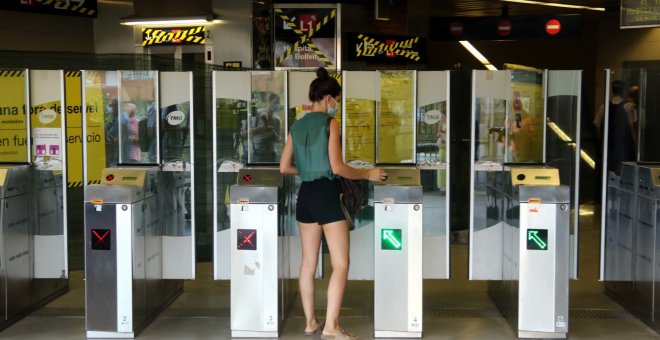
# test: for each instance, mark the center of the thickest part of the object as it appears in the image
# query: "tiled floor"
(454, 309)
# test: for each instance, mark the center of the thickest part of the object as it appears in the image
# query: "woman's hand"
(377, 175)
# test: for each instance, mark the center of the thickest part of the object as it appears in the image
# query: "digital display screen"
(101, 239)
(537, 239)
(246, 239)
(390, 239)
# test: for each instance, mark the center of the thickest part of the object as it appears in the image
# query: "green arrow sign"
(537, 239)
(390, 239)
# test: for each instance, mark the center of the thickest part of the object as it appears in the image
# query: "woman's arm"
(337, 163)
(286, 160)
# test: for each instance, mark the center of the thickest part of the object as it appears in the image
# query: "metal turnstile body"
(255, 257)
(647, 252)
(122, 246)
(15, 273)
(533, 291)
(398, 261)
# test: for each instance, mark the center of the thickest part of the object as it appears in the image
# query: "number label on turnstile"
(246, 239)
(390, 239)
(101, 239)
(537, 239)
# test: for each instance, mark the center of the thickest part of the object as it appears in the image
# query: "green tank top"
(310, 146)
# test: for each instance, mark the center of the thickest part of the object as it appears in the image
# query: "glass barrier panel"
(490, 90)
(48, 187)
(563, 149)
(101, 123)
(432, 158)
(266, 124)
(524, 123)
(178, 196)
(359, 126)
(396, 118)
(138, 127)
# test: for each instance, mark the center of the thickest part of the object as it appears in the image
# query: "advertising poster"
(305, 36)
(13, 117)
(73, 100)
(396, 117)
(525, 126)
(46, 119)
(101, 113)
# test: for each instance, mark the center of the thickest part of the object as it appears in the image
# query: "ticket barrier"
(123, 263)
(22, 289)
(647, 245)
(620, 234)
(256, 257)
(533, 291)
(398, 261)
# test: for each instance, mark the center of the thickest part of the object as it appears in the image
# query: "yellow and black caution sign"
(75, 184)
(174, 36)
(12, 73)
(400, 48)
(68, 6)
(305, 38)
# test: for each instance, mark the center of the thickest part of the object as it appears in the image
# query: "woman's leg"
(336, 234)
(310, 236)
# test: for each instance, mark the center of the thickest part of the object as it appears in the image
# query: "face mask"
(332, 111)
(275, 107)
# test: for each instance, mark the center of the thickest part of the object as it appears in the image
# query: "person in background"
(622, 128)
(132, 124)
(315, 145)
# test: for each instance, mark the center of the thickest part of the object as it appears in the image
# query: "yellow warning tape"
(305, 38)
(94, 182)
(191, 35)
(397, 47)
(75, 184)
(72, 74)
(58, 4)
(10, 73)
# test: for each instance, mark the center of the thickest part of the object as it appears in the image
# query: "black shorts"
(318, 202)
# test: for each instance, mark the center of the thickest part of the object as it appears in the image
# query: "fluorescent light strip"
(165, 22)
(478, 55)
(554, 4)
(564, 137)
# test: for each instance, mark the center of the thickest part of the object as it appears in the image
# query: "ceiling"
(494, 7)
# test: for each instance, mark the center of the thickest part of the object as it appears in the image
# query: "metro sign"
(504, 28)
(553, 27)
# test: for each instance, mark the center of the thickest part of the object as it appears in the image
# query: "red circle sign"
(456, 28)
(504, 28)
(553, 26)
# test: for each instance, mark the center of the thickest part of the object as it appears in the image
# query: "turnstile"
(123, 264)
(532, 292)
(15, 273)
(398, 261)
(647, 282)
(255, 253)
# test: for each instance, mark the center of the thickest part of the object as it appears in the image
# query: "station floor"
(453, 309)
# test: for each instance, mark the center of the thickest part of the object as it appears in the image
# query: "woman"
(314, 144)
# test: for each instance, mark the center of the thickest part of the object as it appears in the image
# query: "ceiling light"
(555, 4)
(478, 55)
(174, 21)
